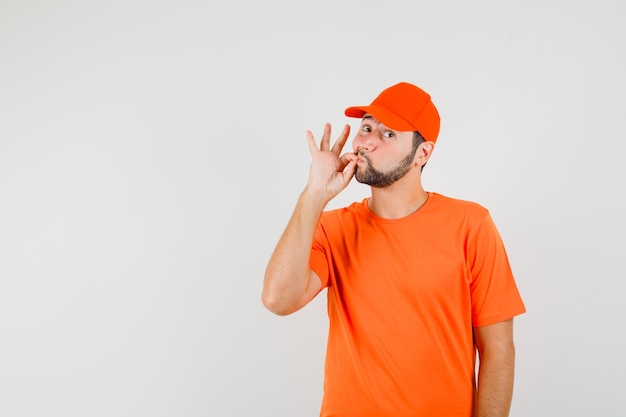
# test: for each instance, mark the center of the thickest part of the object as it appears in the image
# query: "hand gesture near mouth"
(330, 173)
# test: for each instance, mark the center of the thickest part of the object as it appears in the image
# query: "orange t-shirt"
(403, 298)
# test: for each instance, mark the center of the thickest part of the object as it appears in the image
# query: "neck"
(398, 200)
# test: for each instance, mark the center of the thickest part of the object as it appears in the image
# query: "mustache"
(362, 154)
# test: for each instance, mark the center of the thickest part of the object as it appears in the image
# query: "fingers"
(325, 144)
(311, 141)
(349, 171)
(347, 158)
(348, 164)
(341, 141)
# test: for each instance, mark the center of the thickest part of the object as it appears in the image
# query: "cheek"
(363, 140)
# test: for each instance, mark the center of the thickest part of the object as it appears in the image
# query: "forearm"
(288, 272)
(495, 381)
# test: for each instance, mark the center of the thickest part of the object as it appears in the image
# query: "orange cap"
(403, 107)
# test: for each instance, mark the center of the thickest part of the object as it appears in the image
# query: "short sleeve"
(495, 296)
(319, 260)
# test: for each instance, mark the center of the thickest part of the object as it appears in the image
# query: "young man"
(417, 282)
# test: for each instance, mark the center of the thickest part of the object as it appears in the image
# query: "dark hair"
(418, 139)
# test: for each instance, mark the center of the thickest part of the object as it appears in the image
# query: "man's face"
(384, 155)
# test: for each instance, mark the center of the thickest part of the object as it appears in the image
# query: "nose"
(364, 141)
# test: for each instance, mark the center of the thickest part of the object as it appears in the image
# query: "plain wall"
(151, 153)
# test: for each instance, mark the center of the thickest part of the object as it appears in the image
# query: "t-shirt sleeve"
(495, 296)
(319, 259)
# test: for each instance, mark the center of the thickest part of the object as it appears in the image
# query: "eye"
(389, 134)
(366, 128)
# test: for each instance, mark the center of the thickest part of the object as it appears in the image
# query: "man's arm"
(496, 351)
(289, 282)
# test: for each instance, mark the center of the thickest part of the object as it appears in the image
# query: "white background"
(151, 153)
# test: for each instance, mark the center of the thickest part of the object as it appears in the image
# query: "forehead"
(369, 119)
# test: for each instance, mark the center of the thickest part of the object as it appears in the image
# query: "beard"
(379, 179)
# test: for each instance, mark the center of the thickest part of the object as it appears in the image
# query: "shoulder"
(354, 210)
(462, 216)
(457, 207)
(343, 220)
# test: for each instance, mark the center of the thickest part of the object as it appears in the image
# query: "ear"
(424, 151)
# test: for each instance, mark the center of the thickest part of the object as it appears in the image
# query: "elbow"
(284, 294)
(275, 305)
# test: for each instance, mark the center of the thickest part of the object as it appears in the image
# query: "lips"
(360, 158)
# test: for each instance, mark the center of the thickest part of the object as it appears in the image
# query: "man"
(417, 282)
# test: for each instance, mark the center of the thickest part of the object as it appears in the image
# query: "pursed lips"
(360, 157)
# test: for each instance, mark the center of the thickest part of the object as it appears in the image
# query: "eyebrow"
(370, 117)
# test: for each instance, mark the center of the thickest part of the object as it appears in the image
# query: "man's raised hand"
(330, 173)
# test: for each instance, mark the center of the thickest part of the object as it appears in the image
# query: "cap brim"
(389, 119)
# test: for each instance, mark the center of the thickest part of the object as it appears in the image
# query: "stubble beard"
(375, 178)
